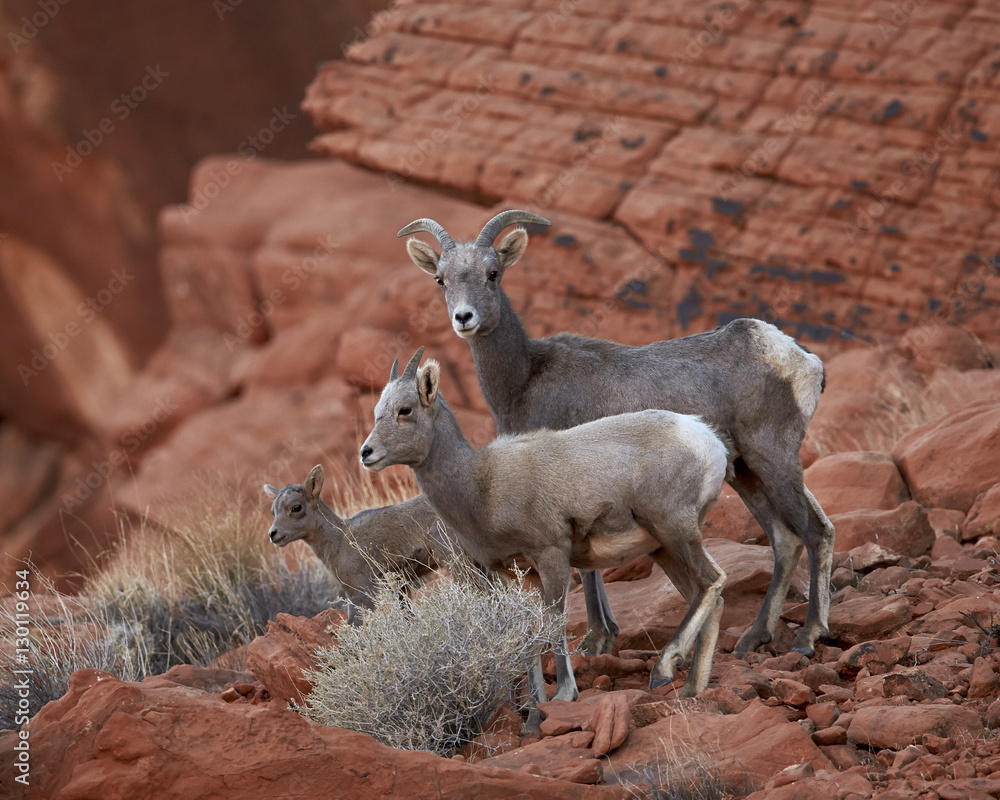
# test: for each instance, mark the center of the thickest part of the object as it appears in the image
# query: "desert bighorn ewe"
(748, 380)
(594, 496)
(401, 538)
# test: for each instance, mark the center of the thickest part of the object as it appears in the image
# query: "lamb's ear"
(423, 255)
(314, 482)
(512, 248)
(270, 491)
(428, 380)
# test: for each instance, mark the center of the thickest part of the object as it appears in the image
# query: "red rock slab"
(984, 516)
(745, 748)
(835, 786)
(950, 614)
(568, 755)
(845, 482)
(861, 618)
(895, 727)
(106, 738)
(949, 461)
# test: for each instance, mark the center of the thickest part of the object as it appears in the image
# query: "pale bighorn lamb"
(407, 538)
(594, 496)
(748, 380)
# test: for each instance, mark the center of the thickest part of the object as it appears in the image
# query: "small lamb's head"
(404, 417)
(470, 272)
(294, 508)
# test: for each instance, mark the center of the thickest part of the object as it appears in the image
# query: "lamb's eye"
(405, 412)
(493, 275)
(440, 280)
(296, 508)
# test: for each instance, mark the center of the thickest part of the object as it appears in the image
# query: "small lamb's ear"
(428, 381)
(423, 255)
(512, 248)
(270, 491)
(314, 482)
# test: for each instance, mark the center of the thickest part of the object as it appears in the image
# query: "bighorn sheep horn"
(411, 369)
(431, 227)
(504, 219)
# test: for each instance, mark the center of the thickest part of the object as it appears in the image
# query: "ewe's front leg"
(603, 629)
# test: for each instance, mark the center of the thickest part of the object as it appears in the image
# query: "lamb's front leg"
(603, 628)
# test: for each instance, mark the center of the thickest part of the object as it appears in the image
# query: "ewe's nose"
(273, 534)
(461, 317)
(365, 452)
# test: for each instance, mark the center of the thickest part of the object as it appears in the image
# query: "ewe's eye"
(405, 412)
(439, 279)
(493, 275)
(296, 508)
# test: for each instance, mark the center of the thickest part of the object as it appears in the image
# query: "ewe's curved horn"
(431, 227)
(411, 368)
(394, 370)
(503, 220)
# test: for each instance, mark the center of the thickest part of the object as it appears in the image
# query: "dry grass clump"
(164, 598)
(430, 676)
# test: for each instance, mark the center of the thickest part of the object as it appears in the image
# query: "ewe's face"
(404, 420)
(469, 275)
(293, 516)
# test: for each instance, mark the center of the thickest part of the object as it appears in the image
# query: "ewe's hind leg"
(791, 517)
(819, 545)
(700, 580)
(600, 619)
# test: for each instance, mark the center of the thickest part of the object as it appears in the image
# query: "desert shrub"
(429, 676)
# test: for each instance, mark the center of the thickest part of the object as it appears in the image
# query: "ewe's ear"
(512, 248)
(428, 381)
(423, 255)
(270, 491)
(314, 482)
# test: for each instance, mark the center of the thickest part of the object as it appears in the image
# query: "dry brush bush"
(430, 675)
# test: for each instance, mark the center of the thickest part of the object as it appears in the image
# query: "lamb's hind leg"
(603, 629)
(553, 571)
(700, 580)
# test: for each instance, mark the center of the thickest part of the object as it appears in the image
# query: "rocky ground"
(900, 701)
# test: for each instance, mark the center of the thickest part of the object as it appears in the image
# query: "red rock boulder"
(904, 530)
(948, 462)
(855, 480)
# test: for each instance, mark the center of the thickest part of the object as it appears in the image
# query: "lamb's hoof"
(656, 683)
(533, 724)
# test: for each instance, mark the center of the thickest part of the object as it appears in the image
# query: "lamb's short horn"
(411, 368)
(394, 370)
(504, 219)
(431, 227)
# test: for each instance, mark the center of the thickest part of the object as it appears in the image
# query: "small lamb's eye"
(439, 280)
(405, 412)
(296, 508)
(493, 275)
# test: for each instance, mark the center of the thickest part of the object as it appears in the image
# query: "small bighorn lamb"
(748, 380)
(405, 538)
(593, 496)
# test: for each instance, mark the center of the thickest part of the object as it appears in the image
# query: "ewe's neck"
(447, 475)
(329, 533)
(503, 363)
